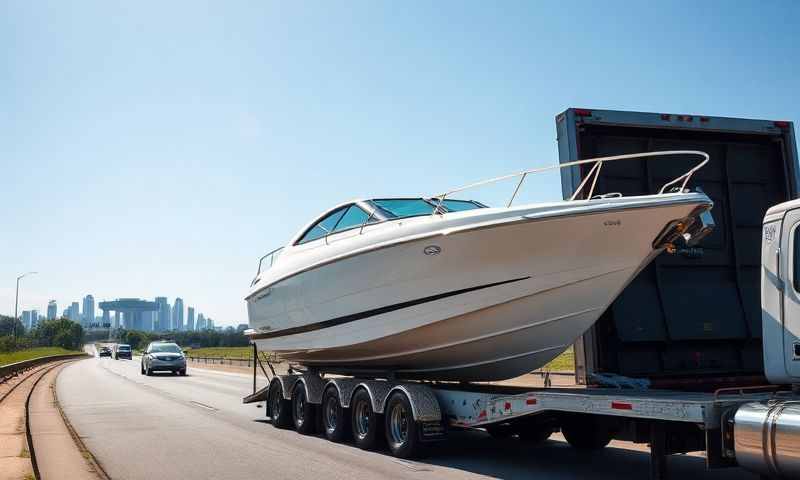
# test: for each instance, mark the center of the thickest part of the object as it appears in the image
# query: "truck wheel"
(280, 408)
(303, 413)
(366, 423)
(402, 433)
(585, 433)
(335, 420)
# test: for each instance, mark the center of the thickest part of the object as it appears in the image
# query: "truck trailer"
(700, 352)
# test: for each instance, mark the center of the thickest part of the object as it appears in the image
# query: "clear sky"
(159, 148)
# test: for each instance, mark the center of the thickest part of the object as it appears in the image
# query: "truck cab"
(780, 293)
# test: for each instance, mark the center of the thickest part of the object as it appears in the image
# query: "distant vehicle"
(123, 351)
(104, 352)
(163, 356)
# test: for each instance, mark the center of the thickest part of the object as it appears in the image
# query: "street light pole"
(16, 307)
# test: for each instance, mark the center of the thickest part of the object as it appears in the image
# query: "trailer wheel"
(303, 413)
(279, 408)
(366, 423)
(586, 433)
(401, 430)
(335, 420)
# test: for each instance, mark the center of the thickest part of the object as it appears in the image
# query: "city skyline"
(166, 316)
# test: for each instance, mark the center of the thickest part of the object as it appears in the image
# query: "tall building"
(190, 318)
(106, 319)
(209, 324)
(26, 319)
(162, 322)
(201, 321)
(52, 310)
(177, 314)
(76, 312)
(34, 318)
(88, 310)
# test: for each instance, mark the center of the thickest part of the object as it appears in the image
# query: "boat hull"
(487, 302)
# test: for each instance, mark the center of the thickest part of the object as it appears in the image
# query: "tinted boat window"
(459, 205)
(324, 226)
(354, 217)
(404, 207)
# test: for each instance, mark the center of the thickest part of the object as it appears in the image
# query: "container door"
(790, 264)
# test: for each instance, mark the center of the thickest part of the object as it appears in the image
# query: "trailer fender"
(287, 384)
(345, 387)
(378, 393)
(313, 385)
(424, 404)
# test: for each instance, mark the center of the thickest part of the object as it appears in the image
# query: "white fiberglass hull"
(486, 296)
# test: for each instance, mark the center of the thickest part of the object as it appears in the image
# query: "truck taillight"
(783, 124)
(583, 112)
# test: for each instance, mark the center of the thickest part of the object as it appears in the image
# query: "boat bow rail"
(592, 176)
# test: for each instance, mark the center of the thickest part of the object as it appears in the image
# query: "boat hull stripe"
(376, 311)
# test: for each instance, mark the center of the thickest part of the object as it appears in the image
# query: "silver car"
(163, 356)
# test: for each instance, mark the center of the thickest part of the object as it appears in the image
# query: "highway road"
(167, 426)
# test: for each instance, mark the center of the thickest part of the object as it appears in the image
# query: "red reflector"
(666, 116)
(582, 112)
(704, 119)
(507, 406)
(530, 401)
(781, 124)
(621, 406)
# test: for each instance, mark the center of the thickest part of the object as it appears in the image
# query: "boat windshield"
(412, 207)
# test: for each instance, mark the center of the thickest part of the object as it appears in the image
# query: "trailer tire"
(280, 409)
(366, 424)
(402, 432)
(585, 433)
(335, 418)
(303, 412)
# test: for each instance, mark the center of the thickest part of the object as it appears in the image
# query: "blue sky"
(159, 148)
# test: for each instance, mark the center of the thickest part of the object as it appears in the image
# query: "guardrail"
(14, 369)
(241, 361)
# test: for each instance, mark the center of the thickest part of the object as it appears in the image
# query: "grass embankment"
(18, 356)
(562, 363)
(220, 352)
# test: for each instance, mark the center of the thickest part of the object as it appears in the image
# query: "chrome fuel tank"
(767, 437)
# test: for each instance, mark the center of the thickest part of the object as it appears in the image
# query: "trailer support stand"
(658, 452)
(255, 359)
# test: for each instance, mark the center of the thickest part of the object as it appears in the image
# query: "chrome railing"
(262, 263)
(593, 174)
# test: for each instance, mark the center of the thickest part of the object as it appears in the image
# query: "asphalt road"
(167, 426)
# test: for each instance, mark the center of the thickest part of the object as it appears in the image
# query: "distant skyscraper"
(52, 309)
(177, 314)
(209, 324)
(88, 310)
(161, 323)
(201, 321)
(106, 319)
(190, 318)
(34, 318)
(76, 312)
(26, 319)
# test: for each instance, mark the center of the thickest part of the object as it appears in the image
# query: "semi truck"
(700, 352)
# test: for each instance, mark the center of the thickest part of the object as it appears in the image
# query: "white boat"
(450, 289)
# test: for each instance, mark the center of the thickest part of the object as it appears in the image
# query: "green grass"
(562, 363)
(13, 357)
(221, 352)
